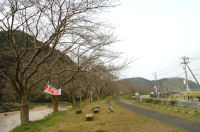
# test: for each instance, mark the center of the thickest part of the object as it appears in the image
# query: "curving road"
(188, 125)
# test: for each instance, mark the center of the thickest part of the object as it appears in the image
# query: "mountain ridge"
(175, 84)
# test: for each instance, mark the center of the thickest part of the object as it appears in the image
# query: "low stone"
(79, 112)
(89, 117)
(96, 110)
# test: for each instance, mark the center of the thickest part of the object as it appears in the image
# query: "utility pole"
(164, 90)
(155, 75)
(185, 62)
(156, 85)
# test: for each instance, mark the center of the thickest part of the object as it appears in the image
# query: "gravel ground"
(10, 120)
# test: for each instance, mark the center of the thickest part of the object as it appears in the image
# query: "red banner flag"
(49, 89)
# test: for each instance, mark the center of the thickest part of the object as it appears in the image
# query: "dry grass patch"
(194, 94)
(121, 120)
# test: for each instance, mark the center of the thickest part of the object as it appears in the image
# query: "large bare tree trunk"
(55, 102)
(74, 99)
(80, 97)
(24, 109)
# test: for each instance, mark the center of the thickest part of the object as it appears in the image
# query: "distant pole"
(155, 80)
(185, 62)
(164, 91)
(156, 85)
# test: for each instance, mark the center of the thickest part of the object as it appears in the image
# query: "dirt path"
(10, 120)
(188, 125)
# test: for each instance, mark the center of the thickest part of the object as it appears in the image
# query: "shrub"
(163, 102)
(186, 111)
(148, 100)
(198, 97)
(137, 99)
(134, 98)
(130, 97)
(196, 113)
(173, 102)
(157, 101)
(101, 131)
(179, 110)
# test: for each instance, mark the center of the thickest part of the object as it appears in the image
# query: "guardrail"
(186, 103)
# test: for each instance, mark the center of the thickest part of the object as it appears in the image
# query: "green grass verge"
(183, 112)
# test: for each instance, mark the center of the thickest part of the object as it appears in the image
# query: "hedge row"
(155, 101)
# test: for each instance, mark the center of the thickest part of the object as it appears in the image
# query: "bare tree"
(33, 30)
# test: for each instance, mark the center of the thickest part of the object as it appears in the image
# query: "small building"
(137, 94)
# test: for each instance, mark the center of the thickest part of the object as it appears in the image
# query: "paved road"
(188, 125)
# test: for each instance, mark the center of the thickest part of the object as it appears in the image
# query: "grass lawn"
(183, 112)
(121, 120)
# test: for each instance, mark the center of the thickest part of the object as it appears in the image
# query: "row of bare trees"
(60, 41)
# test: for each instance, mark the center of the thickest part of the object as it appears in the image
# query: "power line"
(172, 68)
(195, 58)
(196, 69)
(179, 74)
(167, 67)
(168, 72)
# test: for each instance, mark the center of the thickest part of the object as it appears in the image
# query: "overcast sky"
(157, 33)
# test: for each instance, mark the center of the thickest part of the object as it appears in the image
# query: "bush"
(198, 97)
(137, 99)
(186, 111)
(148, 100)
(163, 102)
(157, 101)
(130, 97)
(134, 98)
(179, 110)
(173, 102)
(196, 113)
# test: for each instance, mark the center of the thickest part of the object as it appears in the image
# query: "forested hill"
(170, 83)
(7, 92)
(138, 81)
